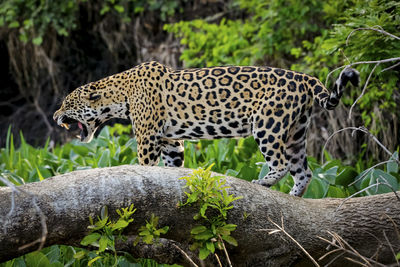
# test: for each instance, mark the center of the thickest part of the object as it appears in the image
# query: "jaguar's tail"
(331, 101)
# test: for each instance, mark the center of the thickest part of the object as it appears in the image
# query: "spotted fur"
(167, 106)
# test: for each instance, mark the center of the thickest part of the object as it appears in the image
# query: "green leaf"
(230, 240)
(393, 166)
(164, 230)
(14, 24)
(390, 182)
(104, 213)
(230, 227)
(148, 239)
(93, 260)
(203, 253)
(89, 239)
(120, 224)
(198, 229)
(103, 243)
(204, 235)
(37, 41)
(203, 210)
(79, 255)
(105, 159)
(210, 246)
(104, 10)
(336, 192)
(119, 8)
(316, 189)
(346, 176)
(264, 171)
(37, 259)
(144, 232)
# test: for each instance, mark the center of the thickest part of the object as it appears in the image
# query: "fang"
(65, 125)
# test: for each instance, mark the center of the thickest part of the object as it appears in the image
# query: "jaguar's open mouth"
(66, 122)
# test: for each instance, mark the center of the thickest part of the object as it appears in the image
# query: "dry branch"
(68, 200)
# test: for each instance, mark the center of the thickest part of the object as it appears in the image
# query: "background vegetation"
(47, 48)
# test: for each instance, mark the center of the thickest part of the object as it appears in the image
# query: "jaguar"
(167, 106)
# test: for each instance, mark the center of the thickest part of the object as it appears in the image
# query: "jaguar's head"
(89, 106)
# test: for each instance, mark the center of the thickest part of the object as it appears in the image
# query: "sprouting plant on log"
(104, 232)
(149, 233)
(210, 194)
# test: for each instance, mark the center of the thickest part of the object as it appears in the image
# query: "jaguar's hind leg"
(296, 154)
(273, 149)
(172, 153)
(299, 169)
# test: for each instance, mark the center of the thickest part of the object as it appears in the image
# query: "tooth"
(65, 125)
(78, 136)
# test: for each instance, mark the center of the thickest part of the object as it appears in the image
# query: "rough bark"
(369, 224)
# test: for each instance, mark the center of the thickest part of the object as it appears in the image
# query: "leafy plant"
(25, 164)
(149, 233)
(34, 18)
(104, 232)
(210, 193)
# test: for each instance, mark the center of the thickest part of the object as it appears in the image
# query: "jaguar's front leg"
(148, 149)
(172, 152)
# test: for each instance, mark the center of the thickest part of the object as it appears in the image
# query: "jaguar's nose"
(56, 115)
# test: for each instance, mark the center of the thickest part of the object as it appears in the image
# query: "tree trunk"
(368, 224)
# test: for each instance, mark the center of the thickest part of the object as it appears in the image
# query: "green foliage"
(363, 45)
(34, 18)
(209, 44)
(112, 147)
(163, 8)
(270, 31)
(333, 179)
(210, 194)
(234, 157)
(58, 256)
(149, 233)
(104, 232)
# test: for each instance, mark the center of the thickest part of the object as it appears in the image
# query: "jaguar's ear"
(92, 97)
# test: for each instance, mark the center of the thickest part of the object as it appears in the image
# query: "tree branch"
(68, 200)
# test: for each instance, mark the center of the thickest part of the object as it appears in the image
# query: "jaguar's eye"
(94, 97)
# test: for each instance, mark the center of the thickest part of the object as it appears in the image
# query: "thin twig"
(370, 169)
(394, 225)
(357, 262)
(335, 258)
(391, 67)
(361, 62)
(362, 129)
(186, 255)
(363, 90)
(329, 253)
(226, 252)
(282, 229)
(342, 246)
(219, 261)
(391, 247)
(374, 28)
(365, 189)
